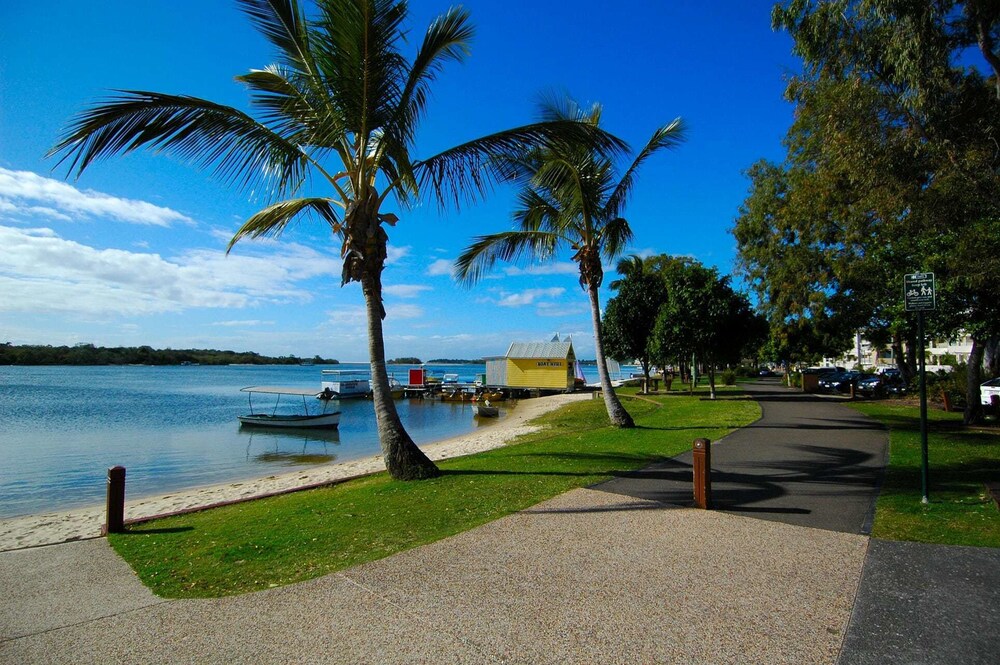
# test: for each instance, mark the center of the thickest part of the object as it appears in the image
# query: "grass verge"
(294, 537)
(960, 461)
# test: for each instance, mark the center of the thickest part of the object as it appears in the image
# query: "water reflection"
(291, 447)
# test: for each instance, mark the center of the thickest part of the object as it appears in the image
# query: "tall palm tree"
(574, 195)
(341, 105)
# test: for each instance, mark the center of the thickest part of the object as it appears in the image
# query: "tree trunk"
(911, 354)
(711, 380)
(900, 358)
(974, 376)
(616, 412)
(991, 355)
(403, 459)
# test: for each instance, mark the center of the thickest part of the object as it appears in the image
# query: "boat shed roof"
(539, 349)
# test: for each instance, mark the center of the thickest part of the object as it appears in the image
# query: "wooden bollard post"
(702, 466)
(116, 501)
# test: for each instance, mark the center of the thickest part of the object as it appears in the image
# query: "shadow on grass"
(139, 530)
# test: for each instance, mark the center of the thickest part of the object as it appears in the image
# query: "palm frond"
(240, 150)
(356, 46)
(510, 246)
(272, 220)
(667, 137)
(447, 39)
(535, 212)
(283, 23)
(471, 169)
(615, 236)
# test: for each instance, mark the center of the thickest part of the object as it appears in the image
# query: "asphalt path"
(808, 461)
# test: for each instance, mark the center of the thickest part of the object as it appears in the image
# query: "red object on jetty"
(417, 376)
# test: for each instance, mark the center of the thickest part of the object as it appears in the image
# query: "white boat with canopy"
(305, 420)
(346, 384)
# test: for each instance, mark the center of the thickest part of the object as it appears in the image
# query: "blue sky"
(133, 252)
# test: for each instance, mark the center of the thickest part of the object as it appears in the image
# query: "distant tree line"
(88, 354)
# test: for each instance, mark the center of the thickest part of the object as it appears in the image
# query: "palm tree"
(342, 105)
(629, 266)
(574, 195)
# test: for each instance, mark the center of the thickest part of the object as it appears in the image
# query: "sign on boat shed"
(534, 365)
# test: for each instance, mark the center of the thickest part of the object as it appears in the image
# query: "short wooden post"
(702, 466)
(116, 501)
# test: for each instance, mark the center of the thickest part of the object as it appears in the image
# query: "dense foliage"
(88, 354)
(670, 310)
(891, 168)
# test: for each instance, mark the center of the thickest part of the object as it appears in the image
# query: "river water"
(175, 428)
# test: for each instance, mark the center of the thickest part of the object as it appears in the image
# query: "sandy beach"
(59, 527)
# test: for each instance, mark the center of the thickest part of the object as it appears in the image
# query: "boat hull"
(487, 412)
(322, 421)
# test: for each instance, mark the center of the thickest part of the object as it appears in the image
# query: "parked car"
(988, 389)
(883, 384)
(838, 382)
(765, 372)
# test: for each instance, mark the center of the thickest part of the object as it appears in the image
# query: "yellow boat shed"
(534, 366)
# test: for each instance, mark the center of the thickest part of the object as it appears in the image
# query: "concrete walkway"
(594, 575)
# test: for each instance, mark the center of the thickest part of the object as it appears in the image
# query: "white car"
(988, 389)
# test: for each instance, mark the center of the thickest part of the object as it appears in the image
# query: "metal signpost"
(918, 296)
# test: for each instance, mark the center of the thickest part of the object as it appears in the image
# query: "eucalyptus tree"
(341, 107)
(572, 195)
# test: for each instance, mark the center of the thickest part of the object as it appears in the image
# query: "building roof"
(539, 349)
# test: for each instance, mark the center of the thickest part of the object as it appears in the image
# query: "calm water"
(174, 428)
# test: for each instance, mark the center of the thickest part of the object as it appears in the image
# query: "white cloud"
(403, 312)
(42, 272)
(440, 267)
(561, 309)
(556, 268)
(27, 193)
(251, 323)
(394, 254)
(405, 290)
(529, 296)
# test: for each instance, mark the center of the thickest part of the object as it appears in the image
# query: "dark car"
(838, 382)
(880, 385)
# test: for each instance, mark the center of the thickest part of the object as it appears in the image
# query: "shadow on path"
(808, 461)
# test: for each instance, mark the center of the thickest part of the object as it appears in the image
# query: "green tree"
(630, 315)
(891, 169)
(341, 105)
(703, 316)
(574, 196)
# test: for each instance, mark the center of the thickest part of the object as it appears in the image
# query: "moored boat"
(487, 411)
(346, 384)
(304, 420)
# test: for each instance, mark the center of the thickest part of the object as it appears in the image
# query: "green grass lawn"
(285, 539)
(960, 460)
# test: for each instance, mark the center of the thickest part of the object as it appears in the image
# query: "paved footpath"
(618, 573)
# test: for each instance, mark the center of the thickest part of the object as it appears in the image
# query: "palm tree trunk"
(616, 412)
(403, 459)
